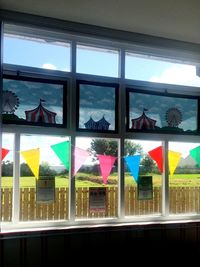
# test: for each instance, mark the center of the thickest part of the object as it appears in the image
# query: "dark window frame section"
(171, 111)
(114, 86)
(45, 81)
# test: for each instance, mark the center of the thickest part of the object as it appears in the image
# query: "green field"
(85, 180)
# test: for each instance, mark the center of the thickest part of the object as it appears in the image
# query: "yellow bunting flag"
(32, 158)
(173, 158)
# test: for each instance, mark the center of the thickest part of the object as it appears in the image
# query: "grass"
(85, 180)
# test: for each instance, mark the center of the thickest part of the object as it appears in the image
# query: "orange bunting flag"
(173, 159)
(32, 158)
(106, 164)
(4, 152)
(157, 155)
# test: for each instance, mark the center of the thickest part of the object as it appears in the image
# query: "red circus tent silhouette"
(40, 114)
(143, 122)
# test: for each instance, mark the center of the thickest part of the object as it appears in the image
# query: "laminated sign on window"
(45, 189)
(97, 199)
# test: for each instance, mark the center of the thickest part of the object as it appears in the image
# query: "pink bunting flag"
(80, 157)
(106, 164)
(157, 155)
(4, 152)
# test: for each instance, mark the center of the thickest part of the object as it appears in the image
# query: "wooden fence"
(182, 200)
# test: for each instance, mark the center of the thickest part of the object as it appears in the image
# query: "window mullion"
(16, 184)
(165, 184)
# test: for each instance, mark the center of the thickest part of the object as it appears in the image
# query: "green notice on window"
(145, 188)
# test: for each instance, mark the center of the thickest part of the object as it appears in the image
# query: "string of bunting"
(62, 151)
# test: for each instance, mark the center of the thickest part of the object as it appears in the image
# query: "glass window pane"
(97, 61)
(97, 178)
(7, 177)
(32, 102)
(35, 52)
(184, 182)
(45, 198)
(163, 113)
(143, 179)
(97, 106)
(160, 70)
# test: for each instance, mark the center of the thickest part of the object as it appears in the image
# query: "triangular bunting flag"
(173, 159)
(32, 158)
(133, 163)
(4, 152)
(62, 152)
(80, 156)
(106, 164)
(157, 155)
(195, 154)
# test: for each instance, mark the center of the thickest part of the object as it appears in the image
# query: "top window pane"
(36, 52)
(97, 61)
(138, 67)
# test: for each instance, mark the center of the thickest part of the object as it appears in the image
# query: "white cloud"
(49, 66)
(182, 75)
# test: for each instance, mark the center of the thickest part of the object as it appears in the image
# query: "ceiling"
(174, 19)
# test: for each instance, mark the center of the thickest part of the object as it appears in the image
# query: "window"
(170, 113)
(97, 106)
(44, 187)
(7, 177)
(39, 52)
(97, 61)
(160, 70)
(184, 178)
(89, 146)
(143, 179)
(97, 179)
(33, 101)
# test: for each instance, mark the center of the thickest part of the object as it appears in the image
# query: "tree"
(147, 165)
(108, 147)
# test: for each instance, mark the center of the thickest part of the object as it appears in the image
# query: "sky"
(57, 56)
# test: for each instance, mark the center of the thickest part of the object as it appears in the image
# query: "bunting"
(157, 155)
(62, 152)
(32, 158)
(173, 159)
(195, 154)
(133, 163)
(106, 164)
(80, 157)
(4, 153)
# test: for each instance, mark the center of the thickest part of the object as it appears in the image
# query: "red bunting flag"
(106, 164)
(4, 152)
(157, 155)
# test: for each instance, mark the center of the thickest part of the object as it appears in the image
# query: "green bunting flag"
(195, 154)
(62, 152)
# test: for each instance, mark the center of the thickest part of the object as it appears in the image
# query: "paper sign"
(97, 199)
(45, 190)
(145, 187)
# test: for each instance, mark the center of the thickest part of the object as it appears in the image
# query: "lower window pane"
(7, 177)
(97, 178)
(143, 179)
(44, 197)
(184, 174)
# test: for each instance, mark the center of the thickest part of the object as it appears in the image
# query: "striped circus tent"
(40, 114)
(143, 122)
